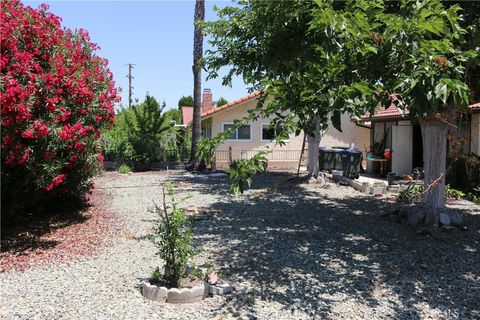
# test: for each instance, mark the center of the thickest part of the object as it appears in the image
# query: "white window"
(241, 133)
(207, 131)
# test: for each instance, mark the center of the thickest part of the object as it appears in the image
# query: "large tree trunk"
(313, 138)
(197, 82)
(434, 137)
(432, 212)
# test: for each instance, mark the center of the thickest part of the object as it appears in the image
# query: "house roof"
(475, 106)
(230, 104)
(392, 113)
(187, 115)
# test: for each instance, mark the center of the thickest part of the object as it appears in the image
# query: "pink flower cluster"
(56, 182)
(57, 96)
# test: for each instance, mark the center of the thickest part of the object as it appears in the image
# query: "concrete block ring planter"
(184, 295)
(174, 295)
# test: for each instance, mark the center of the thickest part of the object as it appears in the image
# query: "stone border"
(366, 187)
(174, 295)
(185, 295)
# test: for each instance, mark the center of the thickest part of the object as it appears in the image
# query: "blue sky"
(157, 36)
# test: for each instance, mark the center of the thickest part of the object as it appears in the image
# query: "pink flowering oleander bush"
(56, 97)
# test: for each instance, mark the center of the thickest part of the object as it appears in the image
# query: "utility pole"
(130, 77)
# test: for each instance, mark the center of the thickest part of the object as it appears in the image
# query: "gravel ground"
(295, 253)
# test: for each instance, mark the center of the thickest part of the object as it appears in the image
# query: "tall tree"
(145, 126)
(427, 52)
(199, 17)
(309, 80)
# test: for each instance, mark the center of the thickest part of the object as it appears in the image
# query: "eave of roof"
(392, 113)
(474, 107)
(230, 105)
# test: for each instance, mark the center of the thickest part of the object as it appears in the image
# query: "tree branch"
(433, 184)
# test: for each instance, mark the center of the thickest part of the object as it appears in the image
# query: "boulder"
(444, 218)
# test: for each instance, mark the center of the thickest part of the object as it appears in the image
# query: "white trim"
(223, 130)
(236, 130)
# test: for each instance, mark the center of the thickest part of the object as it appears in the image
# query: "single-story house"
(248, 140)
(391, 129)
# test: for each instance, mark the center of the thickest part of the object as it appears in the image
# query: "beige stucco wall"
(475, 134)
(283, 157)
(239, 112)
(351, 133)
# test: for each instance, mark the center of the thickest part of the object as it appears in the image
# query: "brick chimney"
(207, 100)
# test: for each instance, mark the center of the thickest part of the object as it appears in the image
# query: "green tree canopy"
(173, 115)
(138, 131)
(221, 101)
(306, 60)
(185, 101)
(428, 53)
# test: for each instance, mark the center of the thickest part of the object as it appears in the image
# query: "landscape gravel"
(296, 251)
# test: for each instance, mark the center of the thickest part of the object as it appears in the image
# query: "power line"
(130, 77)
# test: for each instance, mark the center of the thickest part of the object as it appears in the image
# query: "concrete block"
(221, 289)
(186, 295)
(358, 185)
(179, 295)
(377, 190)
(174, 295)
(160, 294)
(153, 292)
(148, 290)
(206, 289)
(200, 292)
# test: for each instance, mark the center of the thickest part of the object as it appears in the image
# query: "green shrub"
(57, 96)
(473, 197)
(156, 275)
(170, 153)
(172, 236)
(124, 169)
(413, 193)
(453, 193)
(242, 172)
(138, 133)
(234, 164)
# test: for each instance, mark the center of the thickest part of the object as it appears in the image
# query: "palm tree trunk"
(197, 81)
